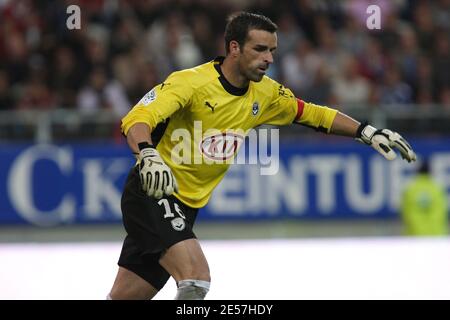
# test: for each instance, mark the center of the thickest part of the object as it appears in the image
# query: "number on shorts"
(178, 210)
(169, 213)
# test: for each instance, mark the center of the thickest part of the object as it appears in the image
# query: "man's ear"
(235, 49)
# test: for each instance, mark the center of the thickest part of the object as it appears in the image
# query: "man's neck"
(230, 70)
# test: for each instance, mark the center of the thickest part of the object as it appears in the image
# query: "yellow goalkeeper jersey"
(205, 120)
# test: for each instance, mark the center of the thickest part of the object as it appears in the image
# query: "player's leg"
(140, 275)
(130, 286)
(187, 264)
(161, 229)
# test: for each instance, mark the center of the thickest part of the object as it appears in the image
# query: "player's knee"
(115, 294)
(201, 274)
(191, 289)
(194, 272)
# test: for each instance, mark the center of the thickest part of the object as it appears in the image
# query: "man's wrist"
(144, 145)
(365, 132)
(360, 128)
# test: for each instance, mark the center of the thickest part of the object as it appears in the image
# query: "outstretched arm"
(382, 140)
(334, 122)
(344, 125)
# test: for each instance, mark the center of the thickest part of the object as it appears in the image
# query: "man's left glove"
(156, 177)
(384, 140)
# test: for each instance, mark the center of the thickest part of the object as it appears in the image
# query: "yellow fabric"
(424, 207)
(196, 102)
(317, 116)
(162, 101)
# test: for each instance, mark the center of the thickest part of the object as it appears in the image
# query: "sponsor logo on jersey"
(221, 146)
(148, 98)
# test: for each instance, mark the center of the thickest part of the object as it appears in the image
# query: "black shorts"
(152, 226)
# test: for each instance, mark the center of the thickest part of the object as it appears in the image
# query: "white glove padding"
(156, 177)
(384, 140)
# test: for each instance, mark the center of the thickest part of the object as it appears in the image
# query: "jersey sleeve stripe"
(300, 106)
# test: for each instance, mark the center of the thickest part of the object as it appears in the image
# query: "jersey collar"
(226, 85)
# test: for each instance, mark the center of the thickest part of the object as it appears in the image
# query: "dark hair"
(239, 24)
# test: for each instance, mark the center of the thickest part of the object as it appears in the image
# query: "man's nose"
(268, 57)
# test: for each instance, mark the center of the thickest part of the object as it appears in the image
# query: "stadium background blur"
(325, 51)
(64, 89)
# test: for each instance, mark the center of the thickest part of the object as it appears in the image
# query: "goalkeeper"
(163, 192)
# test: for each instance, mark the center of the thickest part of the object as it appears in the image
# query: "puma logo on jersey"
(164, 84)
(210, 106)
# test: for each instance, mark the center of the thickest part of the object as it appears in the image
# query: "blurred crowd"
(326, 53)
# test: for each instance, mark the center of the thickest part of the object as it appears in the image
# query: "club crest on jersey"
(221, 146)
(255, 108)
(178, 224)
(148, 98)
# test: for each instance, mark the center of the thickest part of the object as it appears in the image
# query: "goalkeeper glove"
(156, 178)
(384, 140)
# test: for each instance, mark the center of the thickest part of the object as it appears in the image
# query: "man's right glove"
(384, 140)
(156, 177)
